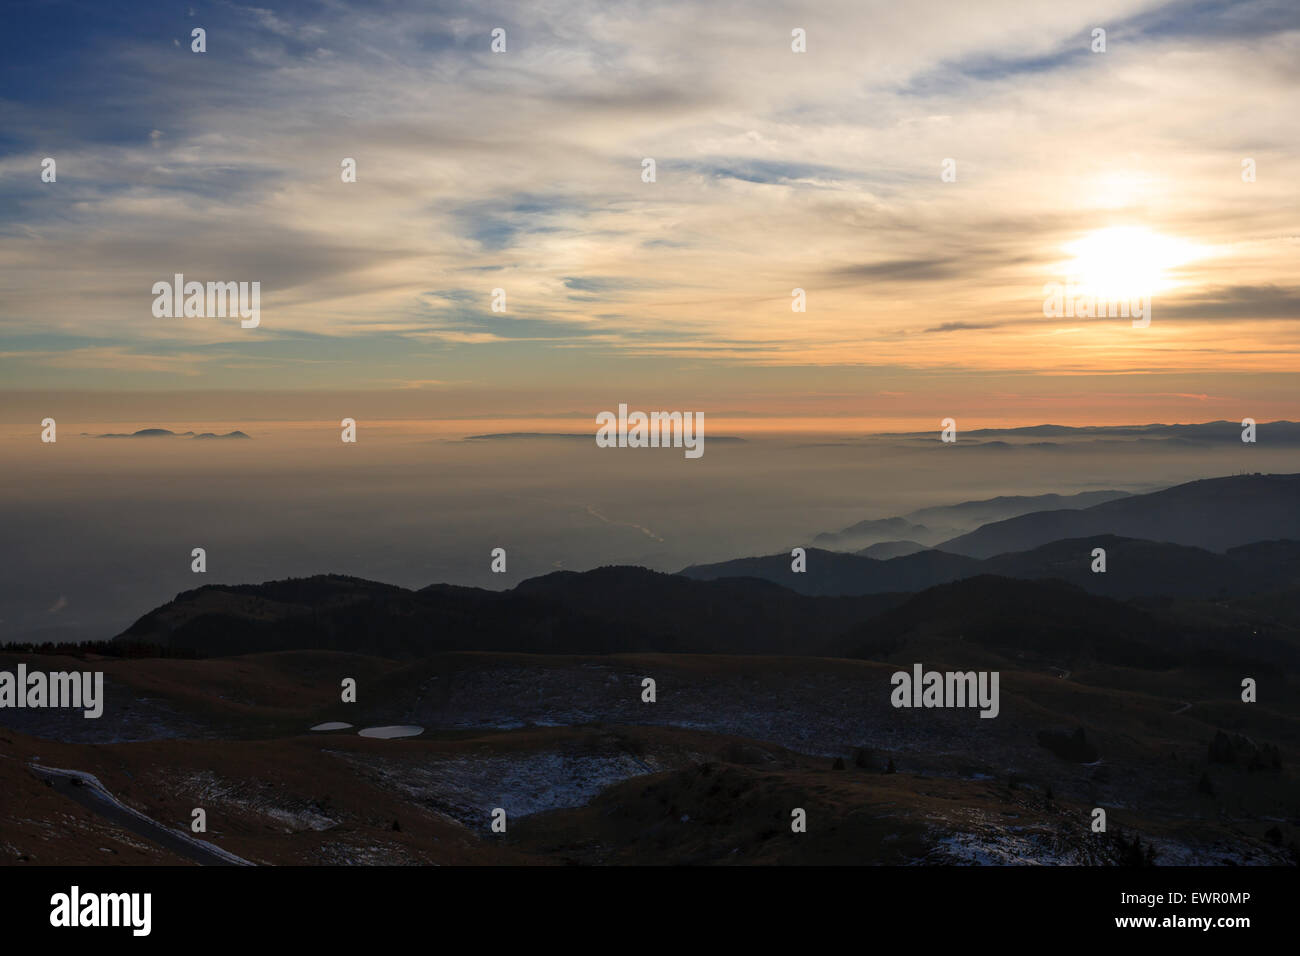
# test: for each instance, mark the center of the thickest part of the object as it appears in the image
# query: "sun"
(1126, 261)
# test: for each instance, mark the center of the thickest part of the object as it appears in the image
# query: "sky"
(774, 171)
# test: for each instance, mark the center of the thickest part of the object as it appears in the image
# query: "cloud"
(1237, 302)
(522, 171)
(962, 326)
(901, 270)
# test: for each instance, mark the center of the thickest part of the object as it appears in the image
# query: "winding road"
(86, 790)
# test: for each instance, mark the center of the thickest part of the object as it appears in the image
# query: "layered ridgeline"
(1201, 538)
(1216, 514)
(1157, 602)
(929, 526)
(1135, 568)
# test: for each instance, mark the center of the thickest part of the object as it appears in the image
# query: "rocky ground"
(588, 772)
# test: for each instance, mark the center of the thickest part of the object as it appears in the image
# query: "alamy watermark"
(653, 430)
(36, 689)
(922, 688)
(75, 909)
(1075, 301)
(193, 300)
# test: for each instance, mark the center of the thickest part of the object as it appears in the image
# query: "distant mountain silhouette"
(147, 433)
(930, 526)
(1195, 434)
(1215, 514)
(167, 433)
(890, 549)
(970, 513)
(879, 530)
(1134, 568)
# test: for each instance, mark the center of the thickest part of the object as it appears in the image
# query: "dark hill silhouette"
(1136, 568)
(835, 573)
(331, 612)
(742, 615)
(609, 610)
(979, 622)
(1020, 621)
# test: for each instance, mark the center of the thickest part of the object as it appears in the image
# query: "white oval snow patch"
(332, 725)
(388, 733)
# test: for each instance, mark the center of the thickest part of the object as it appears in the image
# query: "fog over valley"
(100, 531)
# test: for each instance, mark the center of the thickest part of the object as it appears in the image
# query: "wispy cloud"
(523, 171)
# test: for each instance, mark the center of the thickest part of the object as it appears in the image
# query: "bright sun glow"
(1126, 261)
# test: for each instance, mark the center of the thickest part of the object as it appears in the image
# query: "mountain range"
(1156, 601)
(1119, 689)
